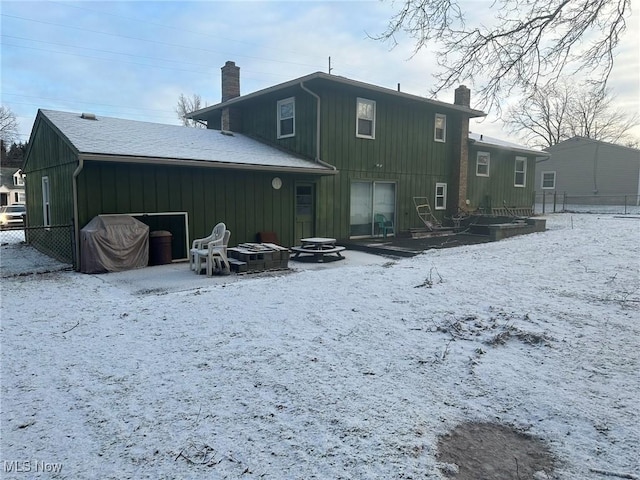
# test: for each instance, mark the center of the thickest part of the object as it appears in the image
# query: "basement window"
(287, 117)
(365, 118)
(482, 164)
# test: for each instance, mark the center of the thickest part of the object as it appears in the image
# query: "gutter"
(537, 153)
(318, 105)
(331, 170)
(76, 225)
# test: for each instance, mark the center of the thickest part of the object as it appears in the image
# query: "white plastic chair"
(217, 235)
(217, 256)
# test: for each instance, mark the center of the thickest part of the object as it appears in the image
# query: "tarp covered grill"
(112, 243)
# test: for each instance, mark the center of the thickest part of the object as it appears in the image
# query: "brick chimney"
(230, 81)
(230, 117)
(462, 97)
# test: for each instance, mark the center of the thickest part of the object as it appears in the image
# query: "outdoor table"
(318, 247)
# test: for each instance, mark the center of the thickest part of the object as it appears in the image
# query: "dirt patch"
(489, 451)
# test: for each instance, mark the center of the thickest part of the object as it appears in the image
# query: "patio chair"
(217, 256)
(214, 256)
(217, 235)
(384, 226)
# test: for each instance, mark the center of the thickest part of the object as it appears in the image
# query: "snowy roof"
(110, 137)
(480, 140)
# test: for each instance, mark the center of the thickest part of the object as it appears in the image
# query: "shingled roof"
(116, 139)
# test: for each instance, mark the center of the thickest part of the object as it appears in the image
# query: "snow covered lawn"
(349, 371)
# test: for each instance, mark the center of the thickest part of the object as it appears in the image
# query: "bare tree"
(187, 105)
(528, 45)
(8, 125)
(556, 113)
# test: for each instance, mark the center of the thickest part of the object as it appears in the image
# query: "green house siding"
(403, 151)
(259, 120)
(245, 201)
(50, 156)
(498, 190)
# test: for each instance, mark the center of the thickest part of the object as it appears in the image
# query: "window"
(366, 118)
(286, 117)
(549, 180)
(520, 176)
(441, 196)
(368, 199)
(482, 164)
(19, 197)
(46, 208)
(18, 179)
(440, 132)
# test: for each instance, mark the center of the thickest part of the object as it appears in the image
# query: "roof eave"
(96, 157)
(538, 153)
(470, 112)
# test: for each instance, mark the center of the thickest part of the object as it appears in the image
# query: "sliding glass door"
(368, 201)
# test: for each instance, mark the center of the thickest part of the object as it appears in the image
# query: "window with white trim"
(18, 179)
(520, 174)
(440, 128)
(286, 117)
(441, 196)
(19, 197)
(365, 118)
(482, 164)
(46, 207)
(548, 180)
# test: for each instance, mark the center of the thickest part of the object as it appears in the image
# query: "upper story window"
(549, 180)
(520, 174)
(365, 118)
(18, 179)
(482, 164)
(440, 130)
(287, 117)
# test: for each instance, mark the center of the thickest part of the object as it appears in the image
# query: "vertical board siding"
(244, 201)
(259, 119)
(403, 152)
(49, 156)
(498, 188)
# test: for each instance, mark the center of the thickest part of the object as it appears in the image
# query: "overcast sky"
(132, 59)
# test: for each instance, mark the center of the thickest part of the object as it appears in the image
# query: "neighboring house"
(320, 155)
(501, 176)
(11, 186)
(591, 168)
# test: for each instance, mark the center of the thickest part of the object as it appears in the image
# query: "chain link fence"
(554, 202)
(56, 241)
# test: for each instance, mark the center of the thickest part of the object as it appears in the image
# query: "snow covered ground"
(349, 370)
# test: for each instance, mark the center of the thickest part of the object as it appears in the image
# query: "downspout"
(317, 126)
(76, 226)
